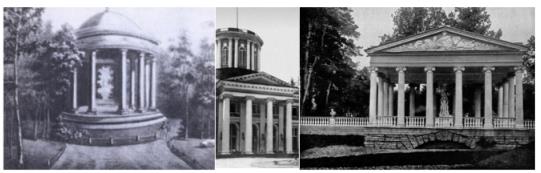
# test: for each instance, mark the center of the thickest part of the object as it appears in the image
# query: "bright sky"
(279, 29)
(517, 25)
(165, 24)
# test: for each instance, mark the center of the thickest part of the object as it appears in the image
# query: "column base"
(248, 152)
(225, 153)
(290, 152)
(269, 152)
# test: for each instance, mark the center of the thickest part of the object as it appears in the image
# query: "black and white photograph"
(417, 88)
(257, 61)
(109, 88)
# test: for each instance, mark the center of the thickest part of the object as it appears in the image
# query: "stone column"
(218, 59)
(269, 141)
(256, 55)
(248, 126)
(506, 99)
(289, 127)
(412, 100)
(141, 81)
(225, 124)
(123, 106)
(477, 102)
(373, 96)
(512, 97)
(390, 93)
(380, 97)
(519, 107)
(281, 128)
(74, 105)
(429, 96)
(236, 62)
(458, 96)
(153, 84)
(488, 96)
(401, 101)
(230, 54)
(133, 76)
(147, 83)
(500, 101)
(249, 55)
(385, 104)
(262, 129)
(92, 98)
(220, 112)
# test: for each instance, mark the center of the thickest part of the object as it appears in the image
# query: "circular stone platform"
(111, 129)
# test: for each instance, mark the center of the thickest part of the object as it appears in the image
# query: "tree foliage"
(414, 20)
(327, 47)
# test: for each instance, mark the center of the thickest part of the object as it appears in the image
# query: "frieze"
(444, 42)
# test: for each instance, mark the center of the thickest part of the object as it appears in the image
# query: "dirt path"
(154, 155)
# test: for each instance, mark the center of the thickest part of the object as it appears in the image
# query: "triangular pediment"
(446, 39)
(261, 78)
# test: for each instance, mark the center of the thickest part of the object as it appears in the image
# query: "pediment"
(261, 78)
(446, 39)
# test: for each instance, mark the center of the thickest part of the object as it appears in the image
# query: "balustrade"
(444, 121)
(529, 124)
(386, 121)
(504, 122)
(473, 122)
(415, 121)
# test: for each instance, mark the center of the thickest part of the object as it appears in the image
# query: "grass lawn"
(38, 152)
(193, 153)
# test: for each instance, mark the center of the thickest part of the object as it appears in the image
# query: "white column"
(218, 58)
(519, 107)
(412, 100)
(133, 76)
(141, 81)
(289, 127)
(500, 101)
(380, 97)
(488, 96)
(123, 106)
(225, 124)
(512, 97)
(269, 141)
(401, 101)
(390, 93)
(92, 97)
(147, 84)
(74, 105)
(477, 102)
(458, 96)
(154, 84)
(430, 96)
(257, 54)
(249, 55)
(248, 126)
(262, 128)
(373, 95)
(236, 62)
(385, 98)
(230, 54)
(281, 128)
(506, 99)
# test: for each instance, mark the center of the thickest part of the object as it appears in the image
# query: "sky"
(165, 24)
(517, 25)
(279, 30)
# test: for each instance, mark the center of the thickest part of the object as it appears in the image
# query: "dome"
(113, 30)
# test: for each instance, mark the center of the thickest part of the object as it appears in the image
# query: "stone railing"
(444, 121)
(504, 122)
(473, 122)
(412, 122)
(386, 121)
(415, 121)
(336, 121)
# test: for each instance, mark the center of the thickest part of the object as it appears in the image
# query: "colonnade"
(233, 54)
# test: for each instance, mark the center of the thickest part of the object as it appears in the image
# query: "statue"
(444, 100)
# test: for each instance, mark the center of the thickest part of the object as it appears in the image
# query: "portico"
(457, 73)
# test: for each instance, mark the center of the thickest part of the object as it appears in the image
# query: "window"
(242, 56)
(224, 52)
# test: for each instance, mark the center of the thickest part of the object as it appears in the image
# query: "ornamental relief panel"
(444, 42)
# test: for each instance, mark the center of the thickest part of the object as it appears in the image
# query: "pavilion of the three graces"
(455, 74)
(257, 113)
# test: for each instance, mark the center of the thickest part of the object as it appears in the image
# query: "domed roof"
(113, 29)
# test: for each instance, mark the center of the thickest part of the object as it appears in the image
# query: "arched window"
(223, 54)
(242, 56)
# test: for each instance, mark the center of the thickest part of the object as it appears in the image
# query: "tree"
(529, 61)
(326, 49)
(20, 28)
(473, 19)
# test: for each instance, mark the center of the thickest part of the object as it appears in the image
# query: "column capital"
(124, 50)
(488, 69)
(288, 101)
(430, 69)
(223, 96)
(372, 69)
(519, 69)
(459, 69)
(142, 54)
(270, 99)
(250, 98)
(400, 69)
